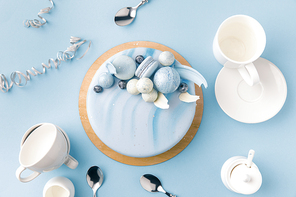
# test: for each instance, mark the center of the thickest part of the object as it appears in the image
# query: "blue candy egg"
(106, 80)
(166, 80)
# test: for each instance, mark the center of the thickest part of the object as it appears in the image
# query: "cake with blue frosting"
(133, 117)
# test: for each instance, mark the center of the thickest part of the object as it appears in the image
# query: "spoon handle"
(95, 194)
(170, 195)
(142, 3)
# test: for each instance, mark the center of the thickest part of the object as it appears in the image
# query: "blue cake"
(129, 125)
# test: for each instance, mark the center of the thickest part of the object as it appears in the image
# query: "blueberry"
(183, 87)
(122, 84)
(98, 89)
(139, 59)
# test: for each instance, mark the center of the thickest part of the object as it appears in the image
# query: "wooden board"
(137, 161)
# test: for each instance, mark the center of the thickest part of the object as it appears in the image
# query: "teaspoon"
(94, 177)
(152, 184)
(126, 15)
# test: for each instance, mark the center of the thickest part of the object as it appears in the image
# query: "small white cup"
(44, 147)
(239, 41)
(59, 187)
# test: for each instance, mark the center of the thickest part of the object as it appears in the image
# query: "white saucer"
(251, 104)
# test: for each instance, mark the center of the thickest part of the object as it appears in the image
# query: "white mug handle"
(249, 73)
(28, 178)
(71, 162)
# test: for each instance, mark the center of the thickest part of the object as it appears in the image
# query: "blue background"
(185, 26)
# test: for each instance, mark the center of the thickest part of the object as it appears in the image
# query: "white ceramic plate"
(251, 104)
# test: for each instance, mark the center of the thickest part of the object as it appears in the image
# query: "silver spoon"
(152, 184)
(126, 15)
(94, 177)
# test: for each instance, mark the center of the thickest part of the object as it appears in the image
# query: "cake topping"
(106, 80)
(125, 67)
(183, 87)
(191, 74)
(139, 59)
(166, 58)
(132, 87)
(144, 85)
(98, 89)
(147, 68)
(110, 67)
(188, 98)
(122, 84)
(151, 96)
(166, 80)
(161, 101)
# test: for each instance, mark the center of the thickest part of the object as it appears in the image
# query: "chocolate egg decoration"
(106, 80)
(125, 67)
(166, 80)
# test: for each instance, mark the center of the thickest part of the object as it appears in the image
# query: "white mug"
(59, 186)
(239, 41)
(44, 147)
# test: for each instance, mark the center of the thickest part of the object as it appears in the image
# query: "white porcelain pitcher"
(59, 187)
(44, 147)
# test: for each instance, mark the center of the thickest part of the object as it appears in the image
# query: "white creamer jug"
(59, 187)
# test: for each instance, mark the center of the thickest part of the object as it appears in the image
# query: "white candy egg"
(166, 58)
(150, 97)
(145, 85)
(131, 86)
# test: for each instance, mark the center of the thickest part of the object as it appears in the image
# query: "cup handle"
(250, 74)
(71, 162)
(28, 178)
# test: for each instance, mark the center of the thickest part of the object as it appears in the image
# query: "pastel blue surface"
(189, 28)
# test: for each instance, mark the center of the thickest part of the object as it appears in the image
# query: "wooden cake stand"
(137, 161)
